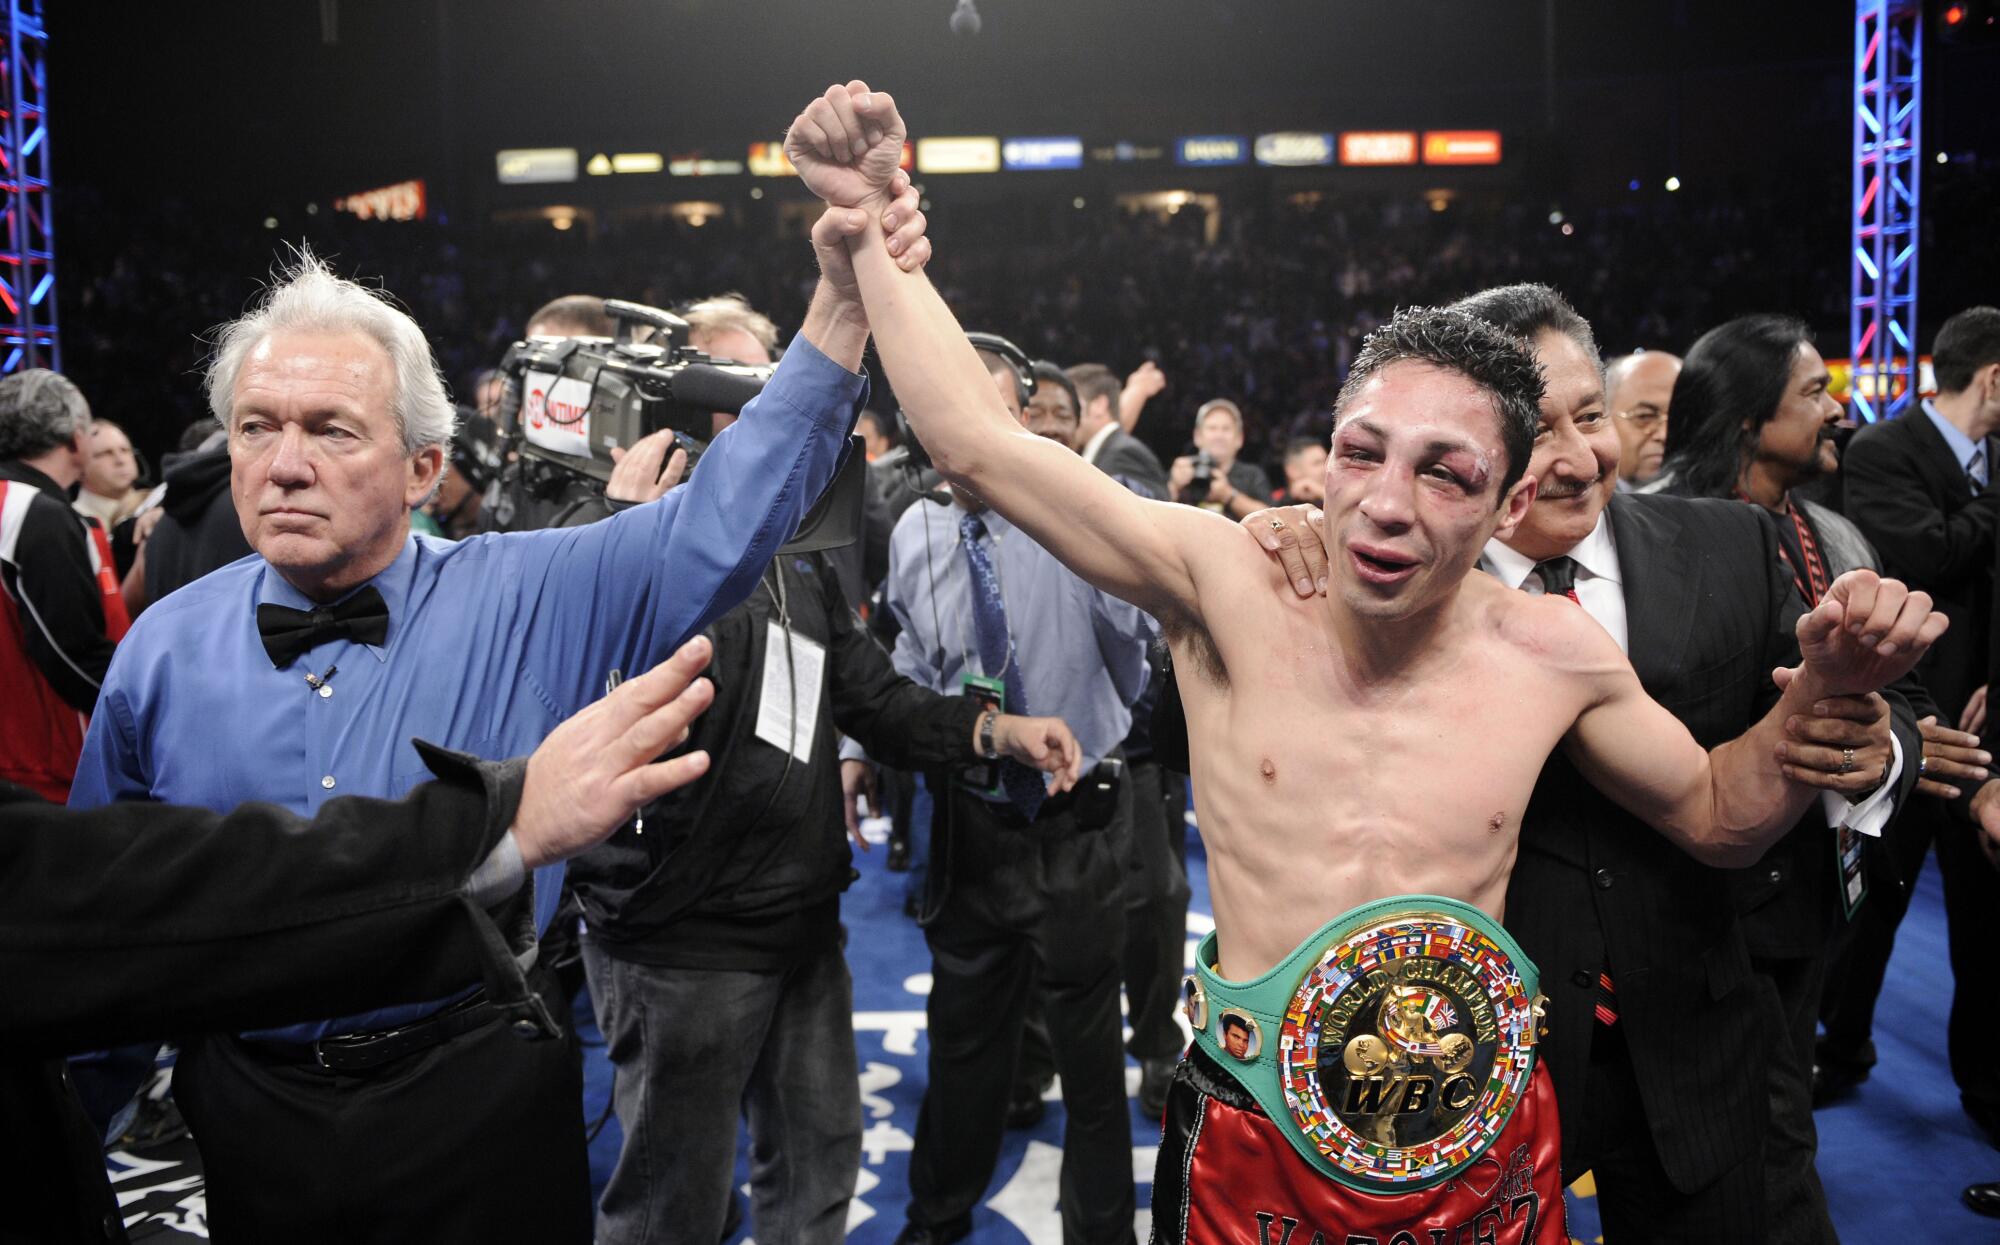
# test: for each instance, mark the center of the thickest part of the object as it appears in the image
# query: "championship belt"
(1391, 1048)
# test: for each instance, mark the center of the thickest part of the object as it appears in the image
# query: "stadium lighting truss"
(28, 247)
(1882, 310)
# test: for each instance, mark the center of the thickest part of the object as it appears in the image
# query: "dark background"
(179, 131)
(240, 103)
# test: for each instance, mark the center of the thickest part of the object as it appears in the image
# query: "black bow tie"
(362, 618)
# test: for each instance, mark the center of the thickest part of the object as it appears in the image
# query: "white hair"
(307, 297)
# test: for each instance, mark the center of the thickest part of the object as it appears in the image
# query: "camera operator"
(1213, 477)
(477, 456)
(714, 945)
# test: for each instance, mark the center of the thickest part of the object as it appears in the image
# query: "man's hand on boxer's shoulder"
(596, 769)
(1296, 536)
(847, 144)
(1816, 749)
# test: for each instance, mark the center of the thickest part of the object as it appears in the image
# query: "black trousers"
(478, 1139)
(1971, 897)
(1792, 1190)
(1636, 1202)
(1156, 904)
(1030, 912)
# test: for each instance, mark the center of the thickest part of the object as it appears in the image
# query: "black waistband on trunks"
(1210, 1078)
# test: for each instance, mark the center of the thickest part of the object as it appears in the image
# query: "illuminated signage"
(1378, 147)
(697, 165)
(402, 201)
(522, 166)
(1462, 147)
(1211, 149)
(1128, 153)
(770, 160)
(958, 155)
(1042, 153)
(1294, 149)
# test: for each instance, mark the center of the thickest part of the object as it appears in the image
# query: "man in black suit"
(1920, 489)
(1100, 438)
(1659, 1033)
(379, 902)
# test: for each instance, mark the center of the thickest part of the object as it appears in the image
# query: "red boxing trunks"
(1227, 1176)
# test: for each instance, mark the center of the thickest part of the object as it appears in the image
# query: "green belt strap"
(1266, 999)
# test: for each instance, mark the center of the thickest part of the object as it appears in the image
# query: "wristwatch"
(986, 748)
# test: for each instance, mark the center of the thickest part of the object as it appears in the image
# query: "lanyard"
(1815, 581)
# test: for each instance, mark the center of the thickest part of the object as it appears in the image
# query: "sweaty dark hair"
(1968, 341)
(1730, 385)
(1458, 341)
(1047, 373)
(581, 314)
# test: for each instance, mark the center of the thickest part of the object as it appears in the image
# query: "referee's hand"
(594, 771)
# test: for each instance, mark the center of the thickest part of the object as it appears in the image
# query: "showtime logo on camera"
(556, 413)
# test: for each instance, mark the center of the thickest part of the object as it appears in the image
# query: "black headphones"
(1017, 363)
(1013, 356)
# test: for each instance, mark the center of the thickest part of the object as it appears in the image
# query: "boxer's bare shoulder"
(1555, 634)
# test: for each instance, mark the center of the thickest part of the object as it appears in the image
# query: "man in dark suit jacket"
(1663, 1042)
(1100, 438)
(379, 902)
(1920, 488)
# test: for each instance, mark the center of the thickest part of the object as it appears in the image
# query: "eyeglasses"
(1644, 421)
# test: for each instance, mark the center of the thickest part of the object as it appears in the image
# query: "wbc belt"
(1390, 1048)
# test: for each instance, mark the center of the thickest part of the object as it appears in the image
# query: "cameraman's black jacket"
(744, 869)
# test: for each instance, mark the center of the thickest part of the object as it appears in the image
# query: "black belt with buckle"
(355, 1052)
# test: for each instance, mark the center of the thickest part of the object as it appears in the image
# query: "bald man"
(1637, 388)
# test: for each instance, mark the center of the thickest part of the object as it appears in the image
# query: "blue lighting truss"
(28, 246)
(1888, 115)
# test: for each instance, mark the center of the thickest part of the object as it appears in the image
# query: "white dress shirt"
(1093, 447)
(1600, 589)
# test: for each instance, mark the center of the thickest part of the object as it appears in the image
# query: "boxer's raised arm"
(1723, 807)
(1127, 546)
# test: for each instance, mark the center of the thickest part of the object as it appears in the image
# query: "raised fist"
(847, 145)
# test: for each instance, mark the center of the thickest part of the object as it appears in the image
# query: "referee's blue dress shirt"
(492, 641)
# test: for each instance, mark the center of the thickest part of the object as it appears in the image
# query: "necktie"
(996, 655)
(362, 618)
(1975, 470)
(1559, 579)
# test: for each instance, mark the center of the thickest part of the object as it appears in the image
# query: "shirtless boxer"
(1363, 756)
